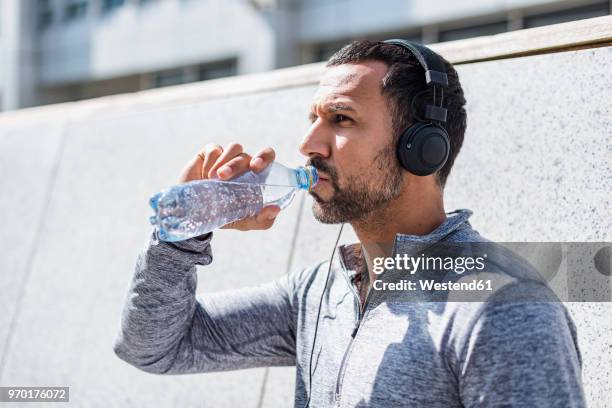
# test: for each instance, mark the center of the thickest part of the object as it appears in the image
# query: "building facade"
(65, 50)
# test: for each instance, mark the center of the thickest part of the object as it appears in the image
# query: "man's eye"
(341, 118)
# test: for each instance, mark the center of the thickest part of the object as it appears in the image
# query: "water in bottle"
(200, 206)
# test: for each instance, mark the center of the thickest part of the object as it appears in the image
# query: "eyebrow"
(331, 109)
(347, 79)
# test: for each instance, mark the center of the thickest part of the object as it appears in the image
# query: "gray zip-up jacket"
(389, 351)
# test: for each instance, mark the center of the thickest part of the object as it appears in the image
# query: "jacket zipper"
(361, 315)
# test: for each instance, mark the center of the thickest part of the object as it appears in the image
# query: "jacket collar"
(351, 258)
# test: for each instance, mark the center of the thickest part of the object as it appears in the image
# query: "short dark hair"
(405, 79)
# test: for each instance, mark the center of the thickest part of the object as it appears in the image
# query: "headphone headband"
(435, 74)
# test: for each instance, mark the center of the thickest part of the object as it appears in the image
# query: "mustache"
(318, 163)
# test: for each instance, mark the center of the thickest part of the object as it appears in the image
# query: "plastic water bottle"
(200, 206)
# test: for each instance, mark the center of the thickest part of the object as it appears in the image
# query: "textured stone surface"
(536, 164)
(27, 172)
(535, 167)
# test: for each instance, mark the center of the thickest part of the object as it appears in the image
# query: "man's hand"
(216, 162)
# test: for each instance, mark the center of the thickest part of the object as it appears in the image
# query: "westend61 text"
(430, 284)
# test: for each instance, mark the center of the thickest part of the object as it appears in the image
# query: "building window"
(218, 69)
(169, 77)
(75, 10)
(473, 31)
(110, 5)
(563, 16)
(45, 14)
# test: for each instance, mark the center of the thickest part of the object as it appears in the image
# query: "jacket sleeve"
(166, 328)
(522, 354)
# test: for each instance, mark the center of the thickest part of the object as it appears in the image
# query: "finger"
(268, 213)
(245, 224)
(234, 167)
(209, 156)
(231, 150)
(262, 159)
(193, 169)
(263, 220)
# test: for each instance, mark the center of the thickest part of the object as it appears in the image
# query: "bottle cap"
(307, 177)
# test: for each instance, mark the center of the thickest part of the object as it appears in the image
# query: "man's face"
(350, 143)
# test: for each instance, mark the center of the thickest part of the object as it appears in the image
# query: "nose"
(317, 140)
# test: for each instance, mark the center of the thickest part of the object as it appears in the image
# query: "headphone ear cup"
(423, 149)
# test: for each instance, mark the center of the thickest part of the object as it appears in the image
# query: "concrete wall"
(76, 178)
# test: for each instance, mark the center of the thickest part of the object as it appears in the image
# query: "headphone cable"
(314, 340)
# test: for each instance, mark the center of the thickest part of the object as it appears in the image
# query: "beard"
(363, 194)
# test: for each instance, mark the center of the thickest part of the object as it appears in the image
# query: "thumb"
(261, 221)
(268, 213)
(267, 216)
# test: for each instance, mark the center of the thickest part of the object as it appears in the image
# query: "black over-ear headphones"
(423, 148)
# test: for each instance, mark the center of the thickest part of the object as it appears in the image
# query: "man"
(353, 344)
